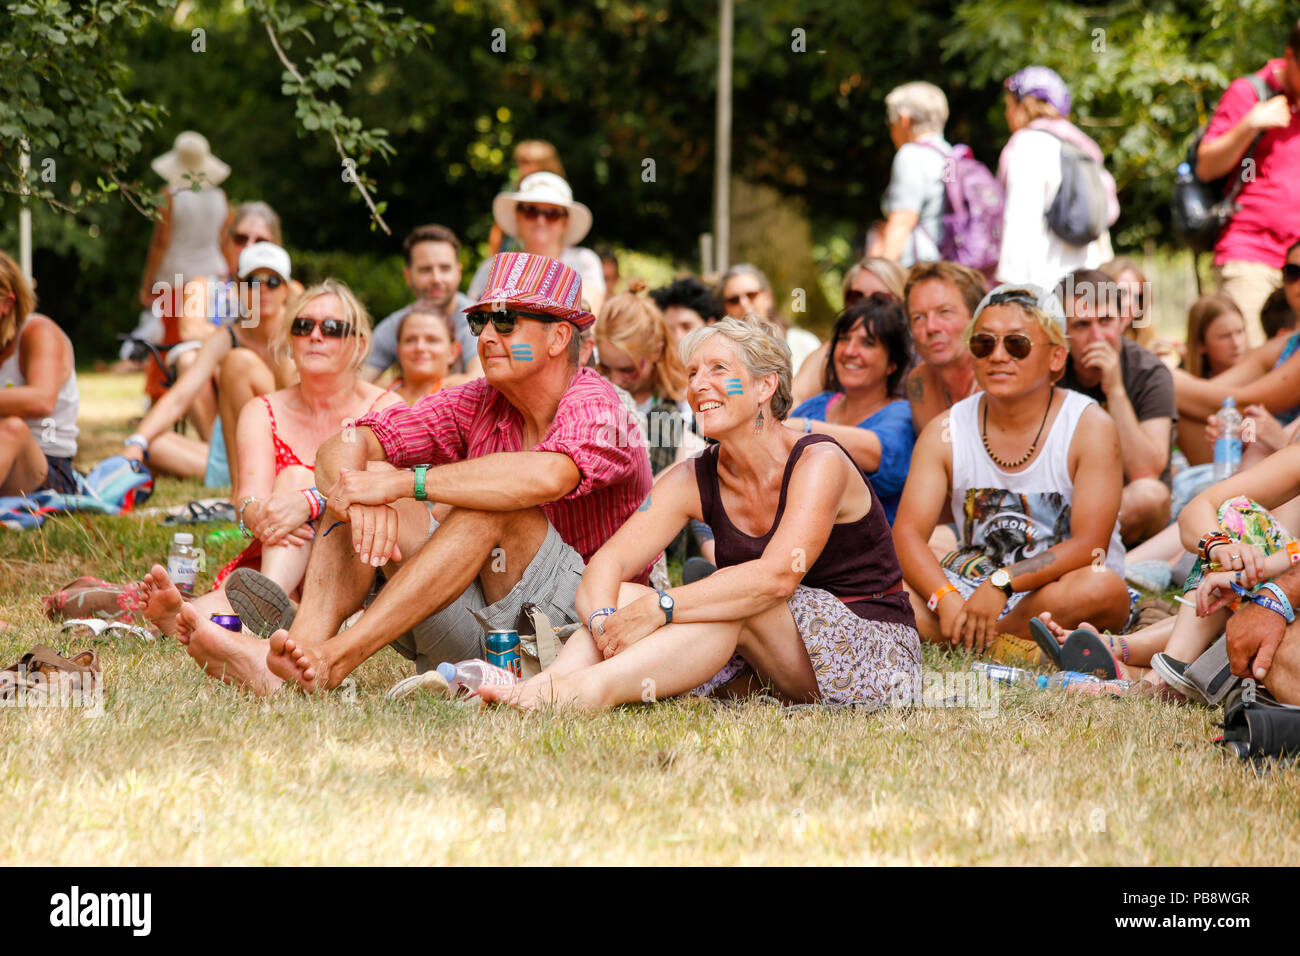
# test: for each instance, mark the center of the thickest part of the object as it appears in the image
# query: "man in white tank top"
(1033, 475)
(38, 394)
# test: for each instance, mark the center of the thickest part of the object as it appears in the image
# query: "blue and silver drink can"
(503, 651)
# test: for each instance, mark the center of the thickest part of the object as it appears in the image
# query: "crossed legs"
(671, 661)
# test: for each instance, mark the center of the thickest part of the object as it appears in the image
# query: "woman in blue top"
(860, 407)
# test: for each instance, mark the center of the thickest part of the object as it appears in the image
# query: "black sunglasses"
(330, 328)
(503, 320)
(1018, 345)
(549, 213)
(271, 282)
(1291, 272)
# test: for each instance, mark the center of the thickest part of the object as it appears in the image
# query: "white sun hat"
(545, 189)
(190, 159)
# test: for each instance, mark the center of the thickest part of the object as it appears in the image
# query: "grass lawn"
(182, 770)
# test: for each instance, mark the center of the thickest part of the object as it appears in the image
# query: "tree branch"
(338, 143)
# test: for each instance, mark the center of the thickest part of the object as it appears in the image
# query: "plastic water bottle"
(1005, 673)
(184, 562)
(1227, 449)
(1063, 679)
(473, 674)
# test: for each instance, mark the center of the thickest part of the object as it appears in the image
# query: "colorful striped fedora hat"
(535, 284)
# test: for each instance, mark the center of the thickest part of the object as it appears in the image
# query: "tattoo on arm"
(1030, 565)
(915, 389)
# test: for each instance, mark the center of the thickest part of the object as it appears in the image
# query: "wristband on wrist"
(1282, 605)
(315, 503)
(807, 426)
(1209, 541)
(599, 612)
(243, 529)
(138, 441)
(937, 596)
(420, 472)
(1293, 551)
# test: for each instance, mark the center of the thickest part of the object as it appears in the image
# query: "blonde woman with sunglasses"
(1034, 476)
(327, 335)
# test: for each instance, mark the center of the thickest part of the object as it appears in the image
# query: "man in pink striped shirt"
(532, 469)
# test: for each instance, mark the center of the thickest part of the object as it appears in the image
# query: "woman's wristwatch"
(1001, 579)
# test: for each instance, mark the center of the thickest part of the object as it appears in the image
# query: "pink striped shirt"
(591, 427)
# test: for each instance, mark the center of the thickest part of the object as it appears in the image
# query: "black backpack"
(1201, 210)
(1078, 211)
(1256, 726)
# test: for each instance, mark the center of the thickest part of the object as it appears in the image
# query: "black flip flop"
(1046, 643)
(1087, 653)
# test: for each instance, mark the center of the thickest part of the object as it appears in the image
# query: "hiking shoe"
(261, 604)
(1173, 672)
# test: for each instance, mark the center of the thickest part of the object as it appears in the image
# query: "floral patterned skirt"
(1248, 522)
(856, 661)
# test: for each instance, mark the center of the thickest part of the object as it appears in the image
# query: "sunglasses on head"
(271, 282)
(1017, 344)
(503, 320)
(549, 213)
(1291, 272)
(330, 328)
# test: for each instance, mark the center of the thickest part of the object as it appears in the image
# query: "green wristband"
(420, 471)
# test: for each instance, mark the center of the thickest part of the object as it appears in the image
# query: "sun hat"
(551, 190)
(190, 159)
(1042, 82)
(1047, 302)
(534, 283)
(264, 255)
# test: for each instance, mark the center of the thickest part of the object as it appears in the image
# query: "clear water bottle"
(1063, 679)
(1005, 673)
(471, 675)
(184, 562)
(1227, 449)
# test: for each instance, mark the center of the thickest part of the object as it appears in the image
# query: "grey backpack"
(1078, 213)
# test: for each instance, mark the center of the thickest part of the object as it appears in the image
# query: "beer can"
(503, 651)
(230, 622)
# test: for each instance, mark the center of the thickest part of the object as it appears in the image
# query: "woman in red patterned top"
(327, 334)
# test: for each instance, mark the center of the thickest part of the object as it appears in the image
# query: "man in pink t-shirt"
(1249, 255)
(532, 468)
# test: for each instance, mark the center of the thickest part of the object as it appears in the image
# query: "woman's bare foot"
(536, 693)
(162, 600)
(303, 665)
(1061, 633)
(238, 659)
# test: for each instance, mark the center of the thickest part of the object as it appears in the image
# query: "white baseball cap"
(264, 255)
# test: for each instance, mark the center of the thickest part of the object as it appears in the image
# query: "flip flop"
(1087, 653)
(431, 681)
(99, 627)
(1046, 643)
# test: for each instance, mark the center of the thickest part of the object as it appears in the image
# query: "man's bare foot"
(238, 659)
(536, 693)
(162, 600)
(304, 665)
(1061, 633)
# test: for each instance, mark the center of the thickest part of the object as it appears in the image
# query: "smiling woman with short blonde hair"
(808, 598)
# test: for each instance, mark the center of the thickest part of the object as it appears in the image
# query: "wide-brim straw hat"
(545, 189)
(534, 283)
(190, 159)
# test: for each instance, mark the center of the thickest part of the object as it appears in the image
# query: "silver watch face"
(1001, 578)
(665, 601)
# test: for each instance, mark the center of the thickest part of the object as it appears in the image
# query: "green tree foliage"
(430, 101)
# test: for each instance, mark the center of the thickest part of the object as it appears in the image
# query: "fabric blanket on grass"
(114, 486)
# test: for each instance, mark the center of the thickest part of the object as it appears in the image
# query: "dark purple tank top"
(858, 560)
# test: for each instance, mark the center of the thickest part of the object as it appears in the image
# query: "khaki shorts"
(459, 631)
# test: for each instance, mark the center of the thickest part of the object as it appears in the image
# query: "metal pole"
(722, 142)
(25, 218)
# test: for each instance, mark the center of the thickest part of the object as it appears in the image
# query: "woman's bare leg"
(285, 564)
(243, 376)
(179, 455)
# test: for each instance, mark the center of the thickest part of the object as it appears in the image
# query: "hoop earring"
(758, 422)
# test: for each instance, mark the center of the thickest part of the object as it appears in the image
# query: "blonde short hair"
(760, 348)
(633, 322)
(923, 103)
(890, 273)
(353, 312)
(13, 284)
(1043, 307)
